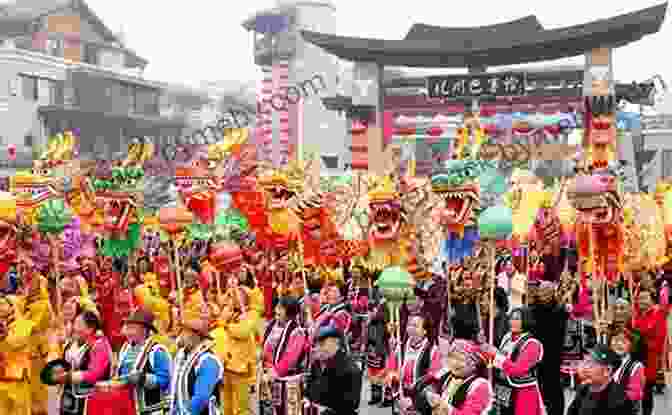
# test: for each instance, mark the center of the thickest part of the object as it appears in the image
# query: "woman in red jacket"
(650, 319)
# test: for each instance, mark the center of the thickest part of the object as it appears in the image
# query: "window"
(146, 101)
(55, 47)
(667, 163)
(91, 54)
(330, 162)
(56, 92)
(30, 87)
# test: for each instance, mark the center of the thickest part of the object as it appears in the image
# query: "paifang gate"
(432, 115)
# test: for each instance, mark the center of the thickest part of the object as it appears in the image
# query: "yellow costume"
(38, 310)
(149, 297)
(15, 356)
(235, 345)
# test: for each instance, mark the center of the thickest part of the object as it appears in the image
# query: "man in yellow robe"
(38, 311)
(235, 345)
(15, 355)
(148, 297)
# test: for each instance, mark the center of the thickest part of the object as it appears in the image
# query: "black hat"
(602, 355)
(47, 373)
(328, 332)
(142, 317)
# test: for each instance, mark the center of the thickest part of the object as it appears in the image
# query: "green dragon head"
(457, 182)
(121, 194)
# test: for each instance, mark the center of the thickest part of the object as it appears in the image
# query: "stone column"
(367, 77)
(599, 77)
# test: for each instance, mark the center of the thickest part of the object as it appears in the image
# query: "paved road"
(663, 405)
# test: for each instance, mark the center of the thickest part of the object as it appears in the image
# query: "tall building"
(62, 68)
(296, 74)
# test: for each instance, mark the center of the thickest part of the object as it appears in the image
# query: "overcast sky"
(202, 40)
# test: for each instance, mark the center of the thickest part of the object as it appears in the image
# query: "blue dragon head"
(458, 184)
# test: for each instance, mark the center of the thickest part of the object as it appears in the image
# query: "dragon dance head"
(120, 194)
(458, 185)
(8, 229)
(596, 198)
(386, 213)
(663, 186)
(280, 186)
(60, 154)
(140, 151)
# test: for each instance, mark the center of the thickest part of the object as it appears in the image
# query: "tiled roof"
(31, 9)
(545, 45)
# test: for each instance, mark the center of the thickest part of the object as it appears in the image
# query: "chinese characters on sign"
(473, 86)
(524, 152)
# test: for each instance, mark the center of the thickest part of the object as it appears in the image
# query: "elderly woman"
(89, 356)
(516, 384)
(285, 345)
(459, 388)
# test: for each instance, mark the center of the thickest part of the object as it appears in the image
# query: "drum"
(283, 396)
(111, 398)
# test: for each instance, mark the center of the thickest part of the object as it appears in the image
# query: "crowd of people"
(291, 351)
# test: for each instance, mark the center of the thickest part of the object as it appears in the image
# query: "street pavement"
(663, 405)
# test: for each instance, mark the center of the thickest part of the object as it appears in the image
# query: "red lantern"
(203, 206)
(358, 127)
(405, 131)
(522, 128)
(435, 131)
(490, 129)
(552, 129)
(173, 220)
(11, 152)
(225, 256)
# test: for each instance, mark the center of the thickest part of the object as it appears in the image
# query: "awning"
(137, 120)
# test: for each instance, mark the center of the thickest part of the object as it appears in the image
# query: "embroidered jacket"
(471, 396)
(195, 385)
(154, 361)
(416, 362)
(284, 347)
(631, 376)
(518, 362)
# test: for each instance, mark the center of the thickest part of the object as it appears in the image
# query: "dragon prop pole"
(178, 281)
(397, 326)
(597, 287)
(491, 317)
(57, 276)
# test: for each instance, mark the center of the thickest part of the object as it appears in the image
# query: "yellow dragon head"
(281, 185)
(386, 213)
